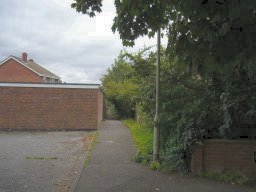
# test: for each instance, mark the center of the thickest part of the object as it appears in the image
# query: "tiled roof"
(37, 68)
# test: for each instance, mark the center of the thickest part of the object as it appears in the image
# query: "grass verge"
(143, 138)
(91, 147)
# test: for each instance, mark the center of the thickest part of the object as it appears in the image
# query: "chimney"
(25, 57)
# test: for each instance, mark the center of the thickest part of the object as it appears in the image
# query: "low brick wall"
(220, 155)
(50, 107)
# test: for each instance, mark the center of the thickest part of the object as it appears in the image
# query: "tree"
(134, 18)
(124, 80)
(211, 45)
(120, 87)
(210, 36)
(215, 39)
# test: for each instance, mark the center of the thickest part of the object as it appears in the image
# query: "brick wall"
(11, 71)
(50, 108)
(220, 155)
(100, 106)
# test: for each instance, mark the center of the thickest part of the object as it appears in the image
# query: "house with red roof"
(24, 70)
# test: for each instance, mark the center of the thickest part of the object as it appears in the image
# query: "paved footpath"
(111, 169)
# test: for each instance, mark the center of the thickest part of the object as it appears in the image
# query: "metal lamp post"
(156, 143)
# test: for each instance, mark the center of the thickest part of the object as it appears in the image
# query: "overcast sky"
(75, 47)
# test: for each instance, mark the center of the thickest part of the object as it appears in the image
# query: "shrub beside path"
(111, 169)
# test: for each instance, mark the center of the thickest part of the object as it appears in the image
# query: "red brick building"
(15, 69)
(40, 106)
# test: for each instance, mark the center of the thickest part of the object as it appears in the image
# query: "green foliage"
(154, 165)
(143, 138)
(133, 18)
(123, 82)
(120, 87)
(111, 112)
(193, 107)
(228, 176)
(138, 18)
(89, 7)
(239, 107)
(208, 72)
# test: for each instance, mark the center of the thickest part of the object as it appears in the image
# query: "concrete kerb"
(81, 163)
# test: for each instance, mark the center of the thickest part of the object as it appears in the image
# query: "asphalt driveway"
(40, 161)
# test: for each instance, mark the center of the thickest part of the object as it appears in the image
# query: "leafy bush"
(154, 165)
